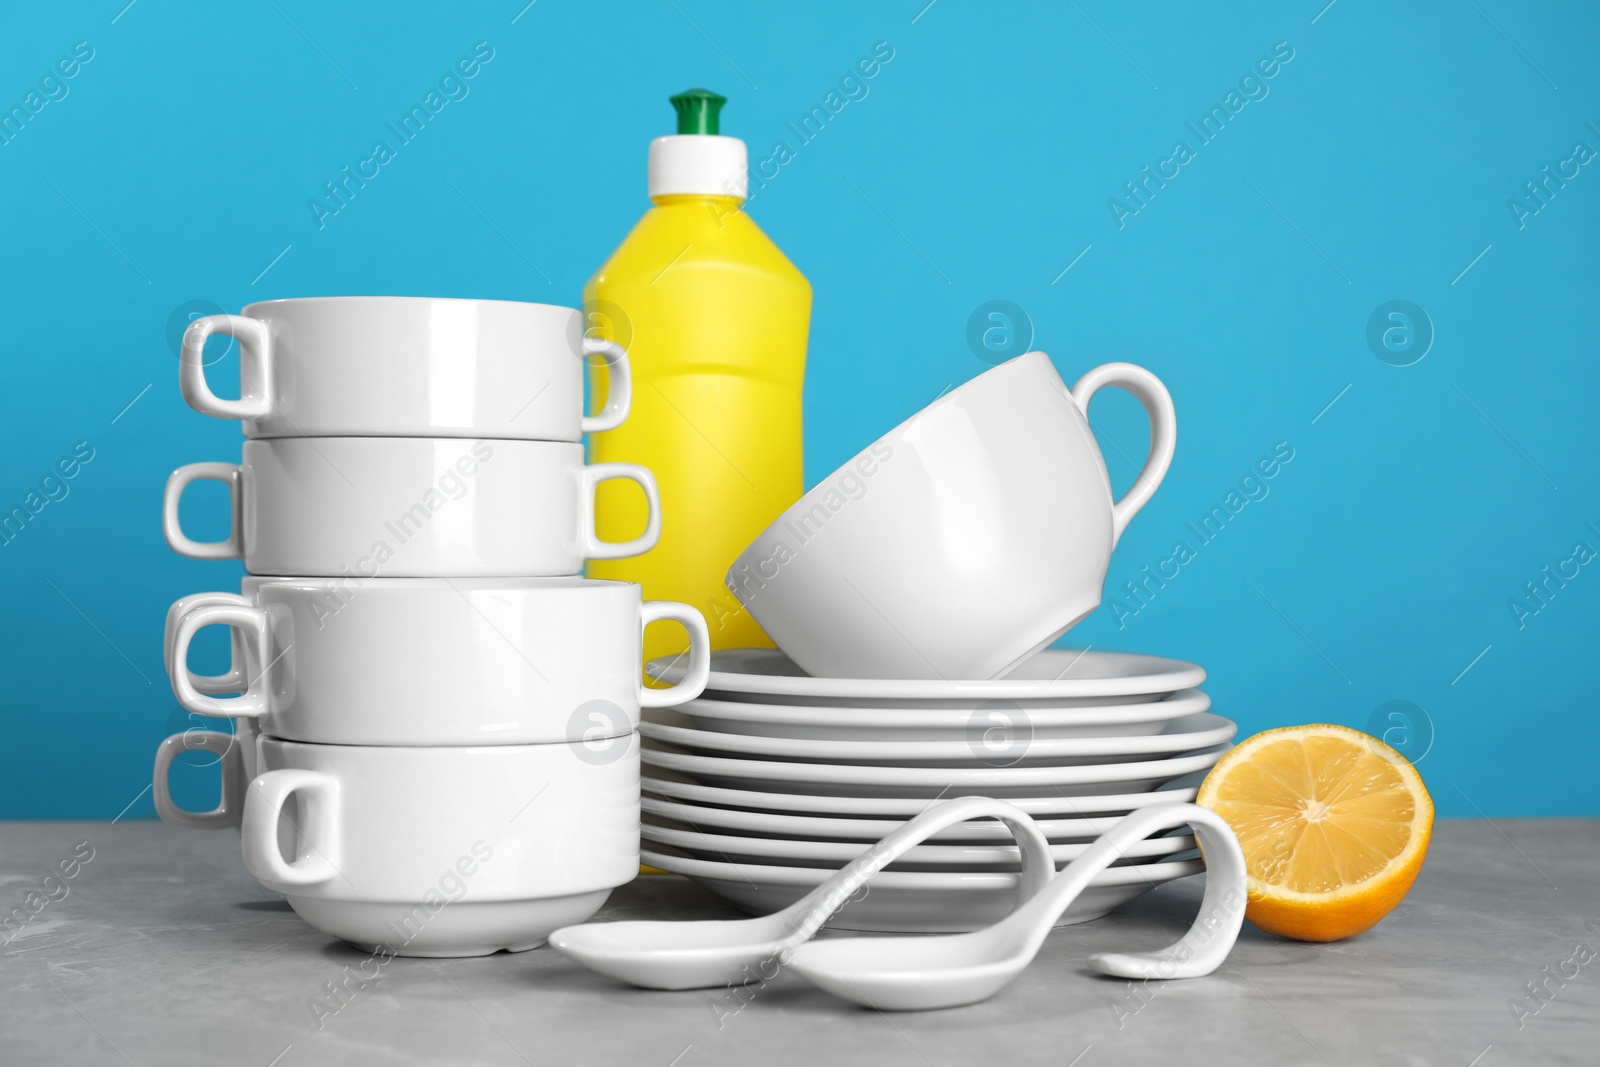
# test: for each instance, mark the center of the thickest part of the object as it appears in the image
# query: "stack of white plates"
(773, 779)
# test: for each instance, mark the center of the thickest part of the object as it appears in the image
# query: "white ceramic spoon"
(918, 973)
(696, 955)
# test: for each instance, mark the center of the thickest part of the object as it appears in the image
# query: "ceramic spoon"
(917, 973)
(695, 955)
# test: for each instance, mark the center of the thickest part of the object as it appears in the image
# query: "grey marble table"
(163, 951)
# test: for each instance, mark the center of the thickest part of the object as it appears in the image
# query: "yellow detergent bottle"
(715, 321)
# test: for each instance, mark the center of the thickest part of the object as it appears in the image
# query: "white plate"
(912, 901)
(731, 848)
(671, 786)
(791, 827)
(1060, 676)
(935, 723)
(926, 782)
(1005, 741)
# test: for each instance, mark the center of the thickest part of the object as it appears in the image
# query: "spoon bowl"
(921, 973)
(705, 953)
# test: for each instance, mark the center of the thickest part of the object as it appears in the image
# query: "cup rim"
(339, 440)
(471, 752)
(469, 584)
(400, 298)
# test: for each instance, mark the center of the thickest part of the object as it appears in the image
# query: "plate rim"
(1223, 730)
(882, 717)
(803, 685)
(926, 777)
(807, 802)
(650, 804)
(944, 849)
(755, 874)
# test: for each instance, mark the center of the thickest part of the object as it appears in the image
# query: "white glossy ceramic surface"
(466, 928)
(1047, 802)
(436, 661)
(934, 723)
(230, 681)
(731, 848)
(996, 739)
(400, 366)
(376, 834)
(1058, 677)
(919, 973)
(693, 955)
(790, 827)
(962, 541)
(927, 782)
(913, 901)
(401, 507)
(227, 751)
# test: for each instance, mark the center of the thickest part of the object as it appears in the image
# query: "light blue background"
(1378, 167)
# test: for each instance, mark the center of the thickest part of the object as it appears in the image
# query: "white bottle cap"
(707, 164)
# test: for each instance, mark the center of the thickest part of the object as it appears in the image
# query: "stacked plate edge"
(772, 780)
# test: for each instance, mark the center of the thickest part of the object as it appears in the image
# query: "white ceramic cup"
(442, 851)
(961, 542)
(435, 661)
(404, 507)
(399, 366)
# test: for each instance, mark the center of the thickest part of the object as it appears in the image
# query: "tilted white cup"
(961, 542)
(401, 507)
(435, 661)
(400, 366)
(443, 851)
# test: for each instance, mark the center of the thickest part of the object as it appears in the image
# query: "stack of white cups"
(436, 751)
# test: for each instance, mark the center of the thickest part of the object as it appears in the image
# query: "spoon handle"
(807, 915)
(1198, 952)
(1216, 927)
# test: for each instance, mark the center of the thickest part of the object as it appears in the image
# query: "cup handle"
(255, 367)
(593, 547)
(226, 473)
(252, 623)
(619, 386)
(1157, 402)
(226, 747)
(699, 672)
(210, 684)
(319, 829)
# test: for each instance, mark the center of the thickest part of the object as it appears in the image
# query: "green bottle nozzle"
(698, 110)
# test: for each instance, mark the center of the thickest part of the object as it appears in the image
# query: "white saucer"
(935, 723)
(731, 848)
(869, 831)
(912, 901)
(926, 782)
(1004, 743)
(1042, 805)
(1057, 675)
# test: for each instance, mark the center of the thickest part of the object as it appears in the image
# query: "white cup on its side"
(401, 366)
(435, 661)
(398, 507)
(964, 540)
